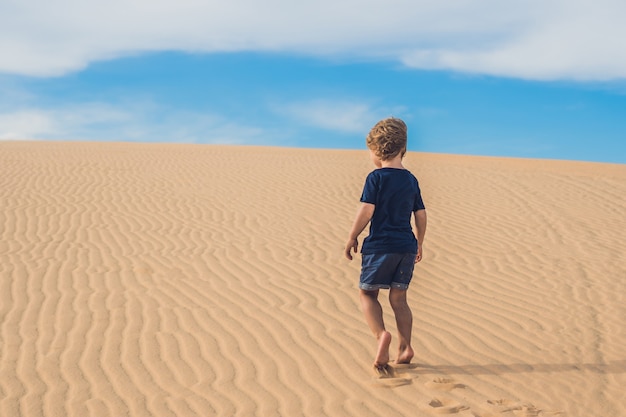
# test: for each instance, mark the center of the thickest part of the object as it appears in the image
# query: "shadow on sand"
(611, 367)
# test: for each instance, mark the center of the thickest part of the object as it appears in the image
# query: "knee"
(397, 301)
(367, 294)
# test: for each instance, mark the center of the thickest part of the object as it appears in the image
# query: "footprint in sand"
(529, 410)
(388, 377)
(443, 384)
(393, 382)
(440, 406)
(503, 402)
(504, 405)
(521, 409)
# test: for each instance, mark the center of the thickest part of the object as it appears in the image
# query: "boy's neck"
(393, 163)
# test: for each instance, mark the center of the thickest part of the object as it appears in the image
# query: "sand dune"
(188, 280)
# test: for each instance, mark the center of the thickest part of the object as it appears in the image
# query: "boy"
(390, 196)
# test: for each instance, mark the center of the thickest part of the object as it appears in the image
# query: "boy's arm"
(363, 217)
(420, 232)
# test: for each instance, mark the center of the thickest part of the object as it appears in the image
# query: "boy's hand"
(418, 257)
(352, 245)
(363, 216)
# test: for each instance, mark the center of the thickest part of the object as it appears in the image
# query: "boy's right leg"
(373, 312)
(404, 322)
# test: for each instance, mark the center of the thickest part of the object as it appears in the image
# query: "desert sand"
(205, 280)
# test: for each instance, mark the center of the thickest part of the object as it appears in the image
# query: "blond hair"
(388, 138)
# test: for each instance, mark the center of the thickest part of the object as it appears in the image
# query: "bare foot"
(384, 371)
(405, 355)
(382, 355)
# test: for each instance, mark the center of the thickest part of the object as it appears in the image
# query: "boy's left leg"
(373, 312)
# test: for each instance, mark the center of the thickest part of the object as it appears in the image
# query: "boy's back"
(396, 195)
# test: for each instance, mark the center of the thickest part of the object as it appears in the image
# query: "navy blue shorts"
(388, 270)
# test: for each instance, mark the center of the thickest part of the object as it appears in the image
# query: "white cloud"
(578, 40)
(25, 124)
(539, 39)
(341, 116)
(67, 123)
(138, 122)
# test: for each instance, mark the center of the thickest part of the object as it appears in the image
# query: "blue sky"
(533, 79)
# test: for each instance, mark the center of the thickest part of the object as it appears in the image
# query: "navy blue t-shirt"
(396, 195)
